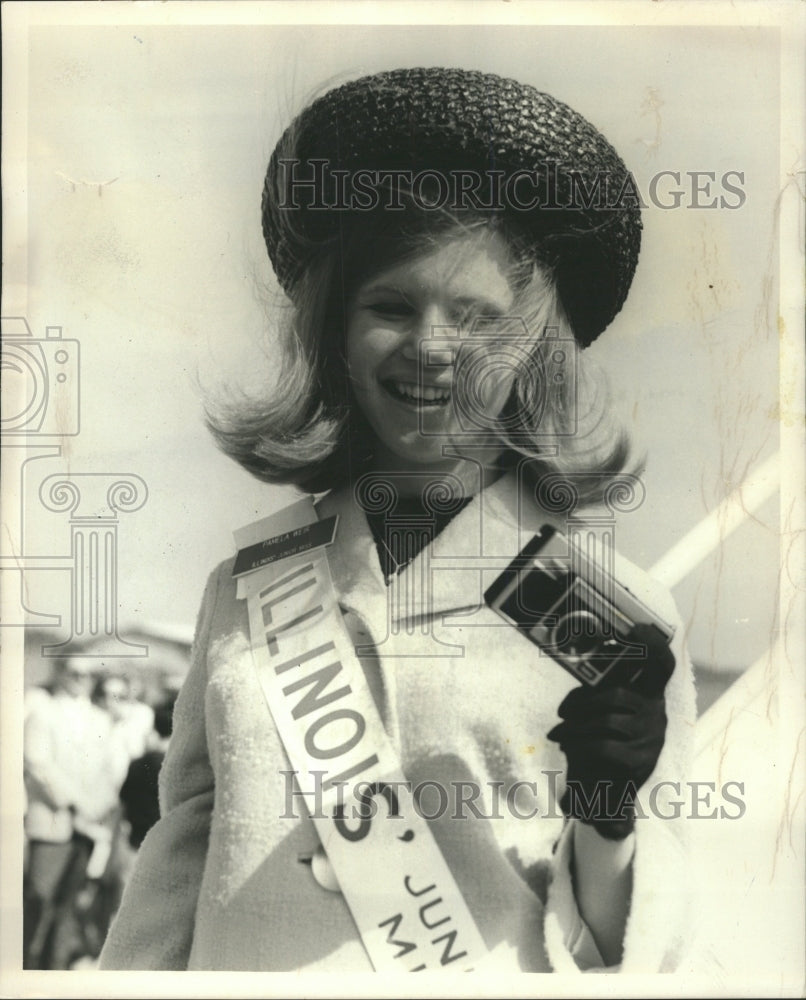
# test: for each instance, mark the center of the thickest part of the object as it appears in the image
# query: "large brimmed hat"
(459, 140)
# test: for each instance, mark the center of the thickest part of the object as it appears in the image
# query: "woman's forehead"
(469, 267)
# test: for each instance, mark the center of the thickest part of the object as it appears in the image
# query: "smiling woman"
(432, 383)
(393, 320)
(456, 312)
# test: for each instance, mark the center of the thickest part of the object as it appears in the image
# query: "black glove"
(612, 738)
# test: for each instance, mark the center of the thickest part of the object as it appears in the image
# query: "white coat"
(222, 880)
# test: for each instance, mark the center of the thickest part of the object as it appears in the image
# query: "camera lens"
(577, 634)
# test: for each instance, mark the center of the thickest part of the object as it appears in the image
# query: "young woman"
(449, 241)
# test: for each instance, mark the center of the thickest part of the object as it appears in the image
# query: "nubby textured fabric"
(556, 177)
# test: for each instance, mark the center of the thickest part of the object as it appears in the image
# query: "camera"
(560, 599)
(487, 358)
(40, 381)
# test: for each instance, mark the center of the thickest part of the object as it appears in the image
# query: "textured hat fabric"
(541, 164)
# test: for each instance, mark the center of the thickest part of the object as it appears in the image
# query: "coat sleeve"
(656, 934)
(153, 929)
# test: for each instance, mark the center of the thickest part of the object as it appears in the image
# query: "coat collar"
(452, 572)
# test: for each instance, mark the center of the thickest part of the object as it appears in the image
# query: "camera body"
(498, 349)
(560, 599)
(40, 381)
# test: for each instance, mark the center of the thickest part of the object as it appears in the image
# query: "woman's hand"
(612, 739)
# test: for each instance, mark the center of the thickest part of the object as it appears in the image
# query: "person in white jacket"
(449, 241)
(71, 784)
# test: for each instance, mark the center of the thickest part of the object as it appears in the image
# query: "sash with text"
(401, 894)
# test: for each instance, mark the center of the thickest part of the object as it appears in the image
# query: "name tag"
(288, 543)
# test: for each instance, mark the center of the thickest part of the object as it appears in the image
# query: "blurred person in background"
(138, 810)
(131, 724)
(71, 788)
(132, 720)
(140, 791)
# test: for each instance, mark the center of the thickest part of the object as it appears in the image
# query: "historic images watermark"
(318, 186)
(360, 801)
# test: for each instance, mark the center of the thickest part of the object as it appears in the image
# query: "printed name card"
(282, 546)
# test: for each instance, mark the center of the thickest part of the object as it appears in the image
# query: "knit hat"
(459, 139)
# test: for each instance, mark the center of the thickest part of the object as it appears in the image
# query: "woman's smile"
(417, 396)
(405, 330)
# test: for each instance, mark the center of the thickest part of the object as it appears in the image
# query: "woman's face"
(405, 326)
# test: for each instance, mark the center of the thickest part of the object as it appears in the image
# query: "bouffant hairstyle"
(308, 431)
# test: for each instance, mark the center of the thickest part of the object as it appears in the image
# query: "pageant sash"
(401, 894)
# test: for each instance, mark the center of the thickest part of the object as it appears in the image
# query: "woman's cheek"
(483, 386)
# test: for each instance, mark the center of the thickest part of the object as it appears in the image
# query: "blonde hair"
(310, 433)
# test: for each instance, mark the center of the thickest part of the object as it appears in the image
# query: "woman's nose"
(426, 339)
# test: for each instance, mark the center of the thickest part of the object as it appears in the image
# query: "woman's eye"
(390, 308)
(463, 317)
(474, 318)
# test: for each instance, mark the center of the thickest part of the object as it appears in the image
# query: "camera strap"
(402, 896)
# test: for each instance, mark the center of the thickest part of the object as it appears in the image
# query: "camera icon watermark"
(40, 407)
(504, 380)
(40, 381)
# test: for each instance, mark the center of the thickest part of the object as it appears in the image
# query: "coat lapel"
(447, 576)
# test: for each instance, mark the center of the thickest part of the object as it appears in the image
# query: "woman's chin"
(470, 460)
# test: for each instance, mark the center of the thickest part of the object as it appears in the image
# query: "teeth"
(429, 393)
